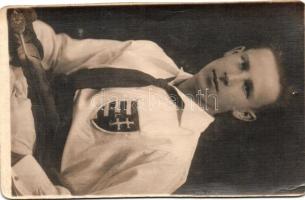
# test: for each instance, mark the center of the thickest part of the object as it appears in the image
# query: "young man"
(132, 140)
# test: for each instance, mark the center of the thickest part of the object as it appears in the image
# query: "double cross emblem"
(119, 123)
(118, 117)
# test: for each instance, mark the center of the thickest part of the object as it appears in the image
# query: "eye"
(247, 88)
(244, 64)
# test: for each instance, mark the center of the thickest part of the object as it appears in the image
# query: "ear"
(248, 115)
(238, 49)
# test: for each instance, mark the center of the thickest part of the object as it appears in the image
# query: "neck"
(190, 89)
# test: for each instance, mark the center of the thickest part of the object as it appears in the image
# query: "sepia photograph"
(154, 100)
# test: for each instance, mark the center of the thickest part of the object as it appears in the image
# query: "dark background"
(232, 157)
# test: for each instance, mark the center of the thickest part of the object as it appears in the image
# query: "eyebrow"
(250, 88)
(249, 82)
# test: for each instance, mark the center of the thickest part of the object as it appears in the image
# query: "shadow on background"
(266, 156)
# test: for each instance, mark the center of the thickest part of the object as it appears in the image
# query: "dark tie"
(113, 77)
(65, 87)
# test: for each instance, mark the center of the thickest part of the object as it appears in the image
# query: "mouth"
(215, 80)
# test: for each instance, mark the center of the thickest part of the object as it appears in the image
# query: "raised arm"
(65, 55)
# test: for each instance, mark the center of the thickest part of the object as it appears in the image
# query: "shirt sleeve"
(23, 134)
(64, 54)
(29, 179)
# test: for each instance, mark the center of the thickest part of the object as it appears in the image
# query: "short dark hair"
(285, 91)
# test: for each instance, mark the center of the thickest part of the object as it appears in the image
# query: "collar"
(193, 116)
(180, 77)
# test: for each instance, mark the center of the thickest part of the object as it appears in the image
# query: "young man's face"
(241, 79)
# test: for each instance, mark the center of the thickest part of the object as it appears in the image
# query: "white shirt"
(152, 160)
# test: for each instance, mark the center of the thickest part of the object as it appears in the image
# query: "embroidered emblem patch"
(118, 117)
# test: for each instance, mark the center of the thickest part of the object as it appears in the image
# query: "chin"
(201, 81)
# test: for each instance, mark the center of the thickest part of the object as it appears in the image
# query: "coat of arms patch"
(118, 117)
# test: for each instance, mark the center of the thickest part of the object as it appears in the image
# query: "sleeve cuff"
(29, 179)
